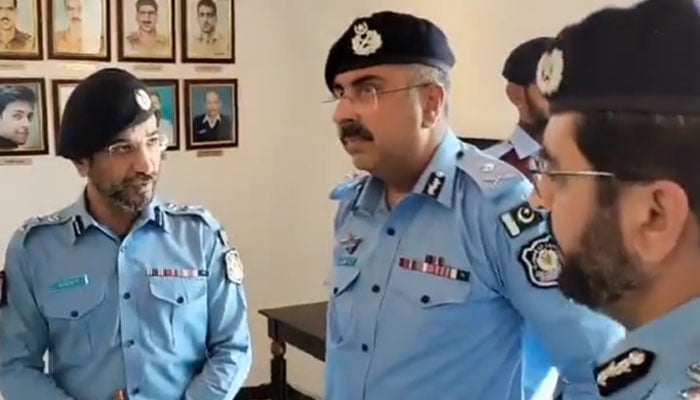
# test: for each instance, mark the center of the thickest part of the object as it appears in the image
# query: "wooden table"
(302, 326)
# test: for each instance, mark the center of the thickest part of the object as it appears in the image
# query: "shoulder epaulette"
(491, 175)
(192, 210)
(350, 184)
(46, 220)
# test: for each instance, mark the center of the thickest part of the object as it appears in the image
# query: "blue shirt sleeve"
(228, 340)
(526, 268)
(23, 333)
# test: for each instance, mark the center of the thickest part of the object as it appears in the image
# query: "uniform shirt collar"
(82, 220)
(436, 181)
(520, 141)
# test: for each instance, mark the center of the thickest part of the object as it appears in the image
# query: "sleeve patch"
(541, 261)
(520, 218)
(234, 266)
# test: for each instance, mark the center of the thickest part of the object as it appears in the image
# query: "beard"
(601, 271)
(131, 195)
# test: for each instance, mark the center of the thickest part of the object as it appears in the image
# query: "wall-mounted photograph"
(211, 108)
(61, 89)
(165, 100)
(78, 30)
(20, 30)
(146, 30)
(208, 31)
(23, 117)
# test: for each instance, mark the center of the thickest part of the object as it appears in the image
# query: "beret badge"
(142, 99)
(550, 71)
(366, 41)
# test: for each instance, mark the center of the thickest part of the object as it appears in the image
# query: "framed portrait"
(208, 31)
(79, 30)
(211, 108)
(20, 30)
(146, 30)
(61, 89)
(23, 117)
(165, 98)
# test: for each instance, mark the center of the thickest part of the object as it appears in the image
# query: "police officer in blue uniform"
(519, 71)
(131, 296)
(439, 259)
(619, 175)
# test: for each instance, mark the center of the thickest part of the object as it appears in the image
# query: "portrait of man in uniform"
(212, 113)
(20, 30)
(22, 117)
(61, 89)
(79, 29)
(208, 31)
(165, 102)
(146, 30)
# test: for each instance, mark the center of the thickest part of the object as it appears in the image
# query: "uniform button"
(129, 343)
(425, 299)
(136, 391)
(390, 231)
(375, 288)
(180, 300)
(365, 347)
(335, 290)
(127, 296)
(74, 314)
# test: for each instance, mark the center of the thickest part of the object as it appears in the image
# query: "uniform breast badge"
(541, 260)
(623, 370)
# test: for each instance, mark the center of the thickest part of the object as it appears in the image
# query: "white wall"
(266, 191)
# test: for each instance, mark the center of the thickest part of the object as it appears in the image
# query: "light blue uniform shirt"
(658, 361)
(537, 363)
(428, 300)
(156, 313)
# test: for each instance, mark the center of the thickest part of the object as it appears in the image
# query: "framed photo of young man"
(23, 117)
(20, 30)
(211, 108)
(146, 30)
(61, 89)
(208, 31)
(79, 30)
(166, 103)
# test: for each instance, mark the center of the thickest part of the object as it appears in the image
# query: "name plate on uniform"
(207, 68)
(9, 162)
(210, 153)
(12, 66)
(148, 67)
(82, 67)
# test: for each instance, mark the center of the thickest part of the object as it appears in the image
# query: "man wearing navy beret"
(439, 260)
(619, 176)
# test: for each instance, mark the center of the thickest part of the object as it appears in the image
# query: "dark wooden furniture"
(302, 326)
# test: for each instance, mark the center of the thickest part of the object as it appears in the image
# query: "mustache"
(5, 19)
(140, 180)
(352, 130)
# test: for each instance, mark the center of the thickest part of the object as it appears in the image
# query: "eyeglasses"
(543, 174)
(153, 144)
(365, 98)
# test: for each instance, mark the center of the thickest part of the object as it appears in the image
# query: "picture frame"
(165, 97)
(60, 91)
(23, 119)
(25, 18)
(208, 31)
(146, 31)
(70, 37)
(211, 113)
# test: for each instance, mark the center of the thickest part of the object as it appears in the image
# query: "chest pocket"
(428, 291)
(178, 310)
(70, 316)
(341, 316)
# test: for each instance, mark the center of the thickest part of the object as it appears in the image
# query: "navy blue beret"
(642, 58)
(388, 38)
(103, 105)
(520, 66)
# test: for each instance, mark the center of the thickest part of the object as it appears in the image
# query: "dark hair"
(644, 147)
(207, 3)
(141, 3)
(11, 94)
